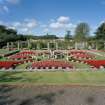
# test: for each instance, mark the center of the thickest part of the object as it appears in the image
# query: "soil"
(51, 95)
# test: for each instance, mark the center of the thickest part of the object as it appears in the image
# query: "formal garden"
(48, 70)
(69, 59)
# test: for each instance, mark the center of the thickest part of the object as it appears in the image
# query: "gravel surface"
(51, 95)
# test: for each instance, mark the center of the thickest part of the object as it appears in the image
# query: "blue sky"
(50, 16)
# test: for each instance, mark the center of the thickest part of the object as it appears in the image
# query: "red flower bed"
(77, 52)
(27, 53)
(50, 64)
(23, 55)
(20, 57)
(86, 56)
(96, 63)
(81, 54)
(9, 64)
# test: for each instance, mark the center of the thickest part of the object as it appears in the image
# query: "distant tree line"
(11, 35)
(82, 32)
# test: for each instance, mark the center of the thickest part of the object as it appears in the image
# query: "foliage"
(82, 31)
(100, 32)
(8, 35)
(68, 36)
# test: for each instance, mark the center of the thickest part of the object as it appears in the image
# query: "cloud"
(16, 24)
(63, 20)
(30, 23)
(62, 23)
(25, 26)
(46, 30)
(43, 26)
(56, 26)
(24, 30)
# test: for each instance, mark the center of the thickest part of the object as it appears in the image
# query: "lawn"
(54, 78)
(79, 65)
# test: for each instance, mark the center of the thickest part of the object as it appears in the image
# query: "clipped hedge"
(11, 53)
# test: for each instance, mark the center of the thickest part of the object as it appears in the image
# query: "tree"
(2, 28)
(9, 35)
(11, 31)
(100, 32)
(48, 37)
(68, 36)
(82, 31)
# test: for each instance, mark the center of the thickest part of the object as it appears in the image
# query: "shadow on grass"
(9, 77)
(6, 77)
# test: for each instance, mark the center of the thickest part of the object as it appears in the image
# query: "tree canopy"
(100, 32)
(9, 35)
(82, 31)
(68, 36)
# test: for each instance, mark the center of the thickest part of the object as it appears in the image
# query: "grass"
(80, 65)
(55, 78)
(22, 66)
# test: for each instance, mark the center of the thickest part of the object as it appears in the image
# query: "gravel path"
(51, 95)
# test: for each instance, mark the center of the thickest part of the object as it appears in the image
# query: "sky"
(39, 17)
